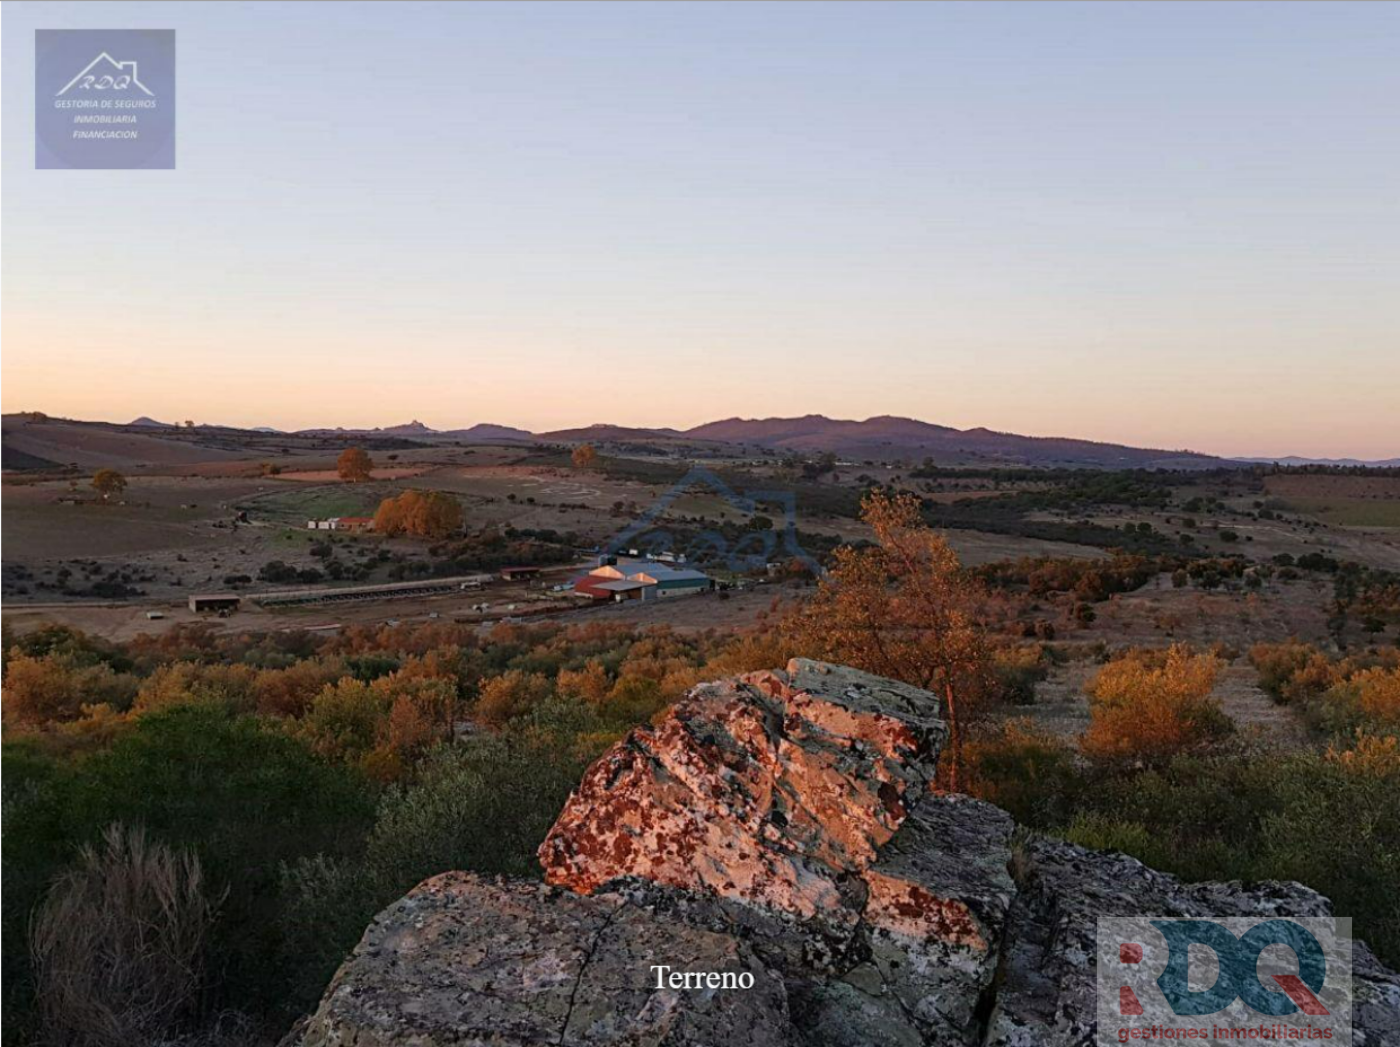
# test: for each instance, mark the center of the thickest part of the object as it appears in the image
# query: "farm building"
(211, 603)
(386, 591)
(353, 524)
(642, 580)
(516, 574)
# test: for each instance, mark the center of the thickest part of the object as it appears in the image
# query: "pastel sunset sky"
(1174, 225)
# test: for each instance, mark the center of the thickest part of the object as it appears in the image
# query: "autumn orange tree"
(108, 482)
(584, 456)
(906, 609)
(420, 514)
(354, 464)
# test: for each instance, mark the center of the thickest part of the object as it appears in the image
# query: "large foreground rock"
(783, 824)
(468, 962)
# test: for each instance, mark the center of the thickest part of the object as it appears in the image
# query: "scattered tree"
(585, 456)
(354, 464)
(108, 482)
(420, 514)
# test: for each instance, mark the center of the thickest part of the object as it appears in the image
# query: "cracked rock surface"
(468, 961)
(781, 824)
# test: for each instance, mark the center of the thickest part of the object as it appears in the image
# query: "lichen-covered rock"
(804, 795)
(769, 788)
(783, 824)
(933, 923)
(466, 962)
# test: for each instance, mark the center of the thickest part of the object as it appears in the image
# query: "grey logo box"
(1154, 983)
(104, 99)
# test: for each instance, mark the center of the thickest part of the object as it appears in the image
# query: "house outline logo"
(128, 69)
(712, 543)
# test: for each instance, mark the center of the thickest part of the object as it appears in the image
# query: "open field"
(323, 476)
(1346, 501)
(209, 512)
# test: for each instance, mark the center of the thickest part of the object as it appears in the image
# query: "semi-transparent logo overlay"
(104, 99)
(1224, 980)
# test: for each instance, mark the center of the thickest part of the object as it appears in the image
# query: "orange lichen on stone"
(750, 789)
(900, 907)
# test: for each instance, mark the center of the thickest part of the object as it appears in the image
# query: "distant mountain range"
(886, 435)
(882, 437)
(604, 433)
(1293, 459)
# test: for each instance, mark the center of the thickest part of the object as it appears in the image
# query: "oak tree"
(354, 464)
(108, 482)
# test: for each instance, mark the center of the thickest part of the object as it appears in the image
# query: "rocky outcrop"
(773, 789)
(779, 826)
(466, 961)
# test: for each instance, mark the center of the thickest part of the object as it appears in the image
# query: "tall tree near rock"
(906, 609)
(354, 464)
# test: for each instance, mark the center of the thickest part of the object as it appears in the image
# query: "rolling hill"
(604, 433)
(887, 436)
(33, 441)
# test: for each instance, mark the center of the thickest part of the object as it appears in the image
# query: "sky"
(1163, 224)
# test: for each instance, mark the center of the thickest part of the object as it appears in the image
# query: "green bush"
(1331, 821)
(1103, 832)
(484, 806)
(237, 791)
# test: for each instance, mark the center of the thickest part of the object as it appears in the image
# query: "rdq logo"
(1224, 979)
(105, 73)
(104, 99)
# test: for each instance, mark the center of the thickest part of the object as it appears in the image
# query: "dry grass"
(118, 944)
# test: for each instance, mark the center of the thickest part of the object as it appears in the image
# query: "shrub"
(635, 698)
(1277, 663)
(511, 694)
(277, 572)
(241, 794)
(1148, 706)
(118, 943)
(1367, 698)
(1103, 832)
(55, 687)
(484, 806)
(1025, 770)
(1335, 825)
(1017, 670)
